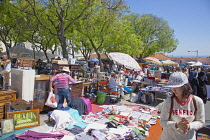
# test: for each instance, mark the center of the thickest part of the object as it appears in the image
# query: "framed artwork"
(7, 126)
(26, 118)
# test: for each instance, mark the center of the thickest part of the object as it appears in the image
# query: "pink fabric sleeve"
(72, 80)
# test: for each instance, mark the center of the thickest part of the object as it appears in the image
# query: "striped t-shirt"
(62, 80)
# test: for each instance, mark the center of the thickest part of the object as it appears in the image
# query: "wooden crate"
(60, 62)
(25, 62)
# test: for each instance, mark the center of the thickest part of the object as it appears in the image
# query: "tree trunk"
(63, 46)
(62, 39)
(7, 46)
(99, 58)
(45, 53)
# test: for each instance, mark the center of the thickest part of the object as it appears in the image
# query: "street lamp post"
(196, 54)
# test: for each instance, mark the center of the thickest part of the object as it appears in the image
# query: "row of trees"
(99, 26)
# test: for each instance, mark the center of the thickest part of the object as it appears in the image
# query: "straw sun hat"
(66, 69)
(177, 79)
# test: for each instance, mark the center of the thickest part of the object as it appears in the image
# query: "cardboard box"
(43, 77)
(60, 62)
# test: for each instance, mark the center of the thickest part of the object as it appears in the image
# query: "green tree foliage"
(102, 28)
(123, 39)
(82, 44)
(9, 29)
(57, 16)
(154, 32)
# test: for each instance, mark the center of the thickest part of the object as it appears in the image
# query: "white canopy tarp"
(191, 62)
(197, 64)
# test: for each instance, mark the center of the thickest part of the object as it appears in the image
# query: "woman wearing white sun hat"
(183, 113)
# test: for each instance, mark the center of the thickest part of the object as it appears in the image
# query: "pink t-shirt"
(62, 80)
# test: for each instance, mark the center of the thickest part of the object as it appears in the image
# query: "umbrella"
(93, 60)
(169, 62)
(153, 60)
(124, 59)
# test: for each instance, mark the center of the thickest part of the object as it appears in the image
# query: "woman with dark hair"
(194, 82)
(208, 84)
(202, 79)
(183, 113)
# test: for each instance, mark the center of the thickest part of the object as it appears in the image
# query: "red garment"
(63, 80)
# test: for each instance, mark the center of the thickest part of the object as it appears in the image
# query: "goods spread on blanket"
(125, 122)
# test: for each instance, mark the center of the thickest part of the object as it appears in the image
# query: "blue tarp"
(93, 60)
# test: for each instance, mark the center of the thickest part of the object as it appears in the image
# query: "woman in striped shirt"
(62, 79)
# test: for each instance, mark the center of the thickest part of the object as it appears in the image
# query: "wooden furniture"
(88, 87)
(17, 105)
(71, 66)
(77, 90)
(6, 96)
(25, 62)
(41, 91)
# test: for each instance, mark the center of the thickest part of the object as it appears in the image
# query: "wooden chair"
(204, 132)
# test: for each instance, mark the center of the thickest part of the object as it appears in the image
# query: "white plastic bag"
(134, 97)
(51, 100)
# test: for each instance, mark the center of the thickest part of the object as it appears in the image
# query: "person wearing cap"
(183, 113)
(63, 90)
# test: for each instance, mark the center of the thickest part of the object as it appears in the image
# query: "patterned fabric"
(177, 79)
(62, 80)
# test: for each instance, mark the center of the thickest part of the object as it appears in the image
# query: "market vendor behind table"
(63, 80)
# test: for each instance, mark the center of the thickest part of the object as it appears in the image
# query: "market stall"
(154, 93)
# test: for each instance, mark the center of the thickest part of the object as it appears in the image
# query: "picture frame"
(24, 119)
(7, 126)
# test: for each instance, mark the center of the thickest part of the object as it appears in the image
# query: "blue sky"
(190, 19)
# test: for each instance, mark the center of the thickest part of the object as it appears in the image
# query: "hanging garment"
(88, 104)
(79, 105)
